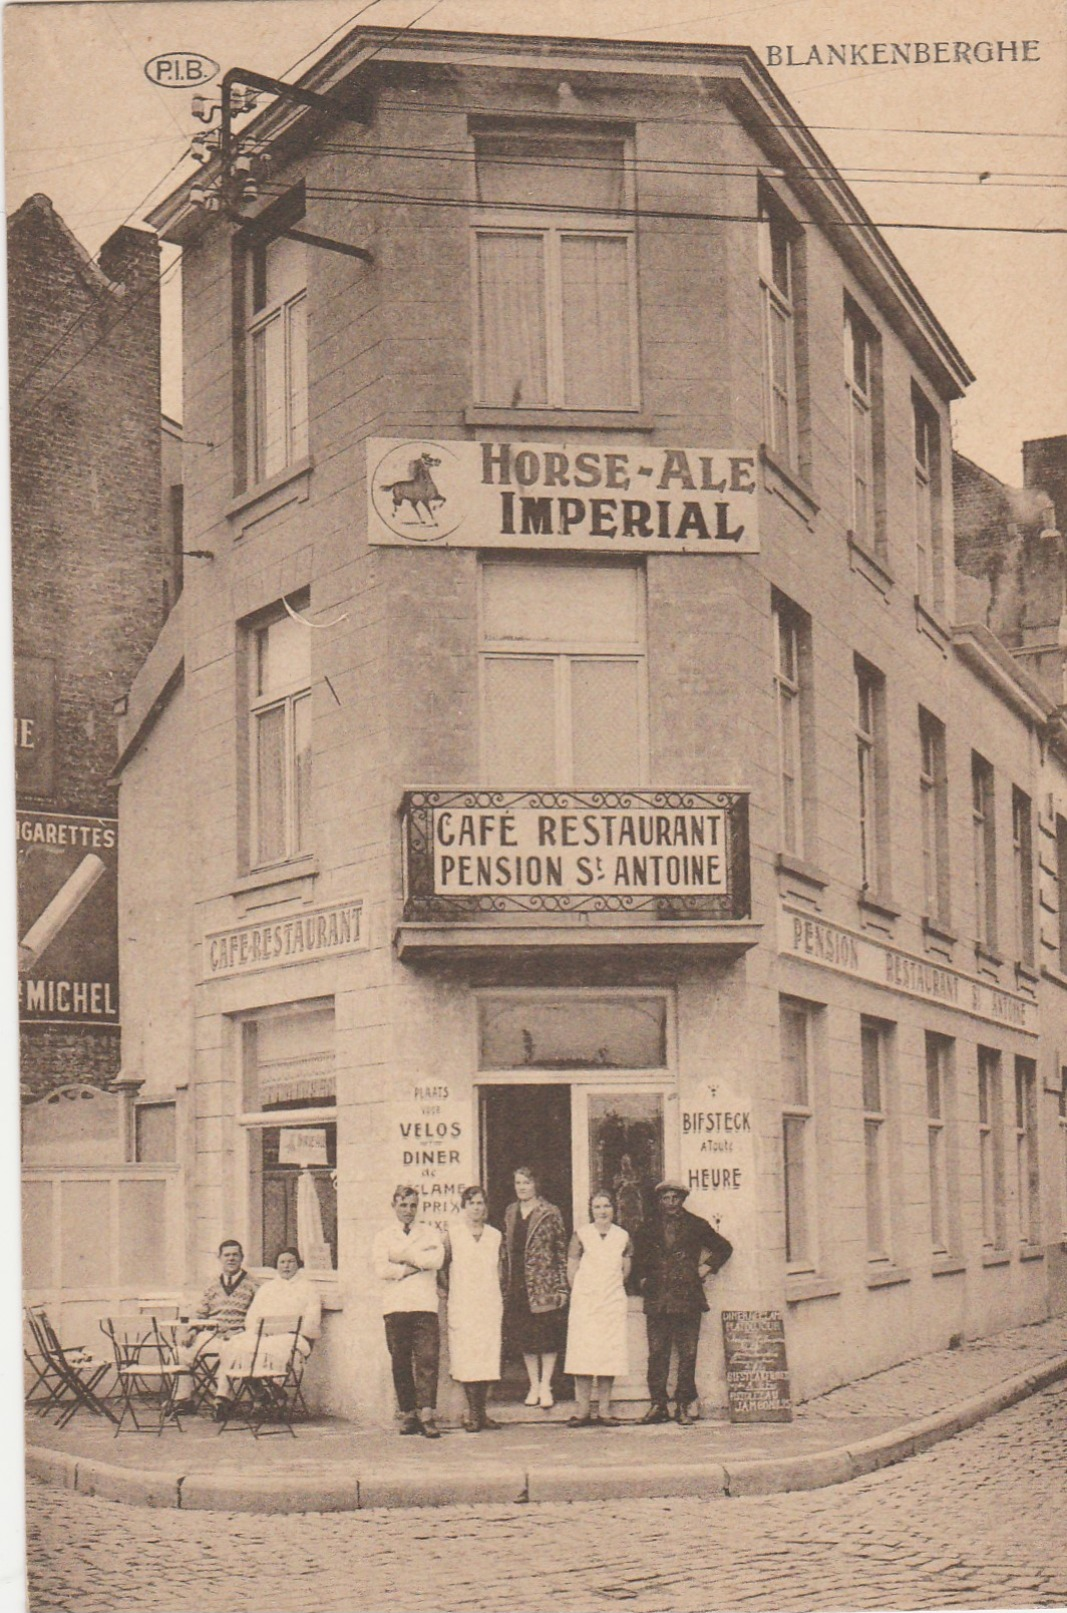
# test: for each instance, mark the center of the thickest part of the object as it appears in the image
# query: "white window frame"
(928, 539)
(984, 847)
(777, 303)
(804, 1262)
(1027, 1160)
(512, 220)
(563, 653)
(789, 651)
(286, 701)
(933, 808)
(991, 1148)
(859, 398)
(1022, 843)
(871, 769)
(939, 1053)
(876, 1142)
(295, 422)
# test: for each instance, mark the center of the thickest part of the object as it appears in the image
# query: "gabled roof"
(747, 87)
(38, 211)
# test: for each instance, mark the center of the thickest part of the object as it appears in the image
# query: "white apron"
(475, 1305)
(596, 1331)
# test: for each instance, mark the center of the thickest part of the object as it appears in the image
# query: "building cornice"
(980, 650)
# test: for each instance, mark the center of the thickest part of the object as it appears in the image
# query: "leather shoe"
(409, 1423)
(429, 1428)
(489, 1425)
(580, 1422)
(656, 1414)
(682, 1417)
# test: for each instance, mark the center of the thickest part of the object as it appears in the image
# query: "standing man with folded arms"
(407, 1256)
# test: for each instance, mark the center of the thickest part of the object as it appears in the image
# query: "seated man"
(224, 1302)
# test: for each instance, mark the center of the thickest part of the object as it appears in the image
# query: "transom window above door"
(563, 676)
(554, 270)
(528, 1032)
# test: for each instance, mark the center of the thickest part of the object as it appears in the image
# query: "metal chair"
(146, 1366)
(71, 1373)
(269, 1390)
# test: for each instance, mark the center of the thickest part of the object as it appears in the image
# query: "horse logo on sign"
(410, 491)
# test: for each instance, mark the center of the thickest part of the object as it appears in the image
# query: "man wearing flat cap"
(674, 1251)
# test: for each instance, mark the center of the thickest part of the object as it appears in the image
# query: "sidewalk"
(334, 1466)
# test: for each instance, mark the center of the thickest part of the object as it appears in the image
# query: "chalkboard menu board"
(757, 1374)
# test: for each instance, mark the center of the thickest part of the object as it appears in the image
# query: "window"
(929, 545)
(1028, 1176)
(777, 273)
(1061, 889)
(862, 396)
(872, 769)
(1062, 1108)
(874, 1048)
(155, 1133)
(944, 1205)
(933, 807)
(797, 1023)
(556, 307)
(991, 1147)
(289, 1117)
(277, 349)
(1022, 843)
(793, 702)
(563, 675)
(984, 839)
(280, 740)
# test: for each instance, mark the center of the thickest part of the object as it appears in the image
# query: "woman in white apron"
(475, 1306)
(598, 1264)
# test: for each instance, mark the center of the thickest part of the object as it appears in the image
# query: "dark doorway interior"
(526, 1125)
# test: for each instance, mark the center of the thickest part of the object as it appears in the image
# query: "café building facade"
(569, 753)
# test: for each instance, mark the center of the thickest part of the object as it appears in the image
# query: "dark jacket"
(545, 1271)
(668, 1278)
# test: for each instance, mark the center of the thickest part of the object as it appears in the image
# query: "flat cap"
(672, 1187)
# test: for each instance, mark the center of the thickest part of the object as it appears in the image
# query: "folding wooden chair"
(147, 1368)
(72, 1372)
(45, 1379)
(269, 1391)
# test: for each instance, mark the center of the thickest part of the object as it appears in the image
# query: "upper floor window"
(933, 806)
(777, 273)
(872, 766)
(276, 346)
(563, 675)
(1022, 844)
(984, 842)
(280, 740)
(793, 701)
(929, 545)
(555, 297)
(862, 394)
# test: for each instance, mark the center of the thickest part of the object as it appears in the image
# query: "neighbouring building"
(570, 746)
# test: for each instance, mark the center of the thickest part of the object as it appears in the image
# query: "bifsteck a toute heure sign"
(496, 495)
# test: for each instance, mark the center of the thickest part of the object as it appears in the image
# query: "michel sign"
(180, 70)
(497, 495)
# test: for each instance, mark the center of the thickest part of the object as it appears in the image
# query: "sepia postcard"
(538, 619)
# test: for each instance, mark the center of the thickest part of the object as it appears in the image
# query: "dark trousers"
(414, 1349)
(683, 1332)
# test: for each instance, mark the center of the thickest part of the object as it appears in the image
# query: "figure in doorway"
(534, 1280)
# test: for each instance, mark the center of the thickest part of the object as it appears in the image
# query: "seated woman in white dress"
(598, 1264)
(288, 1294)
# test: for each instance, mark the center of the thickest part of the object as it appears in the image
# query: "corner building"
(570, 754)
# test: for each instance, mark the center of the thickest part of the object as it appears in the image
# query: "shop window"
(279, 662)
(873, 780)
(865, 430)
(563, 675)
(933, 806)
(940, 1141)
(1028, 1175)
(991, 1148)
(929, 538)
(155, 1133)
(984, 845)
(1022, 841)
(290, 1119)
(874, 1059)
(276, 346)
(800, 1164)
(794, 709)
(555, 297)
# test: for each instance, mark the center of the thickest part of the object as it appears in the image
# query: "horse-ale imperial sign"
(558, 496)
(669, 854)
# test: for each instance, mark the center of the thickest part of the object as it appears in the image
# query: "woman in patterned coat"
(534, 1280)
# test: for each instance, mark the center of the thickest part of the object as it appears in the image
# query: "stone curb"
(345, 1491)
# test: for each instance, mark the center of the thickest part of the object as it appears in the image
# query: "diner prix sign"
(562, 496)
(676, 853)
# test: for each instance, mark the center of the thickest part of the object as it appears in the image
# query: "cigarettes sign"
(509, 495)
(68, 919)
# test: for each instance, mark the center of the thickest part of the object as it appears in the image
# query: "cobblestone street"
(976, 1522)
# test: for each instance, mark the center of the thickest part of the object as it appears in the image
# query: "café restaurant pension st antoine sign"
(627, 499)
